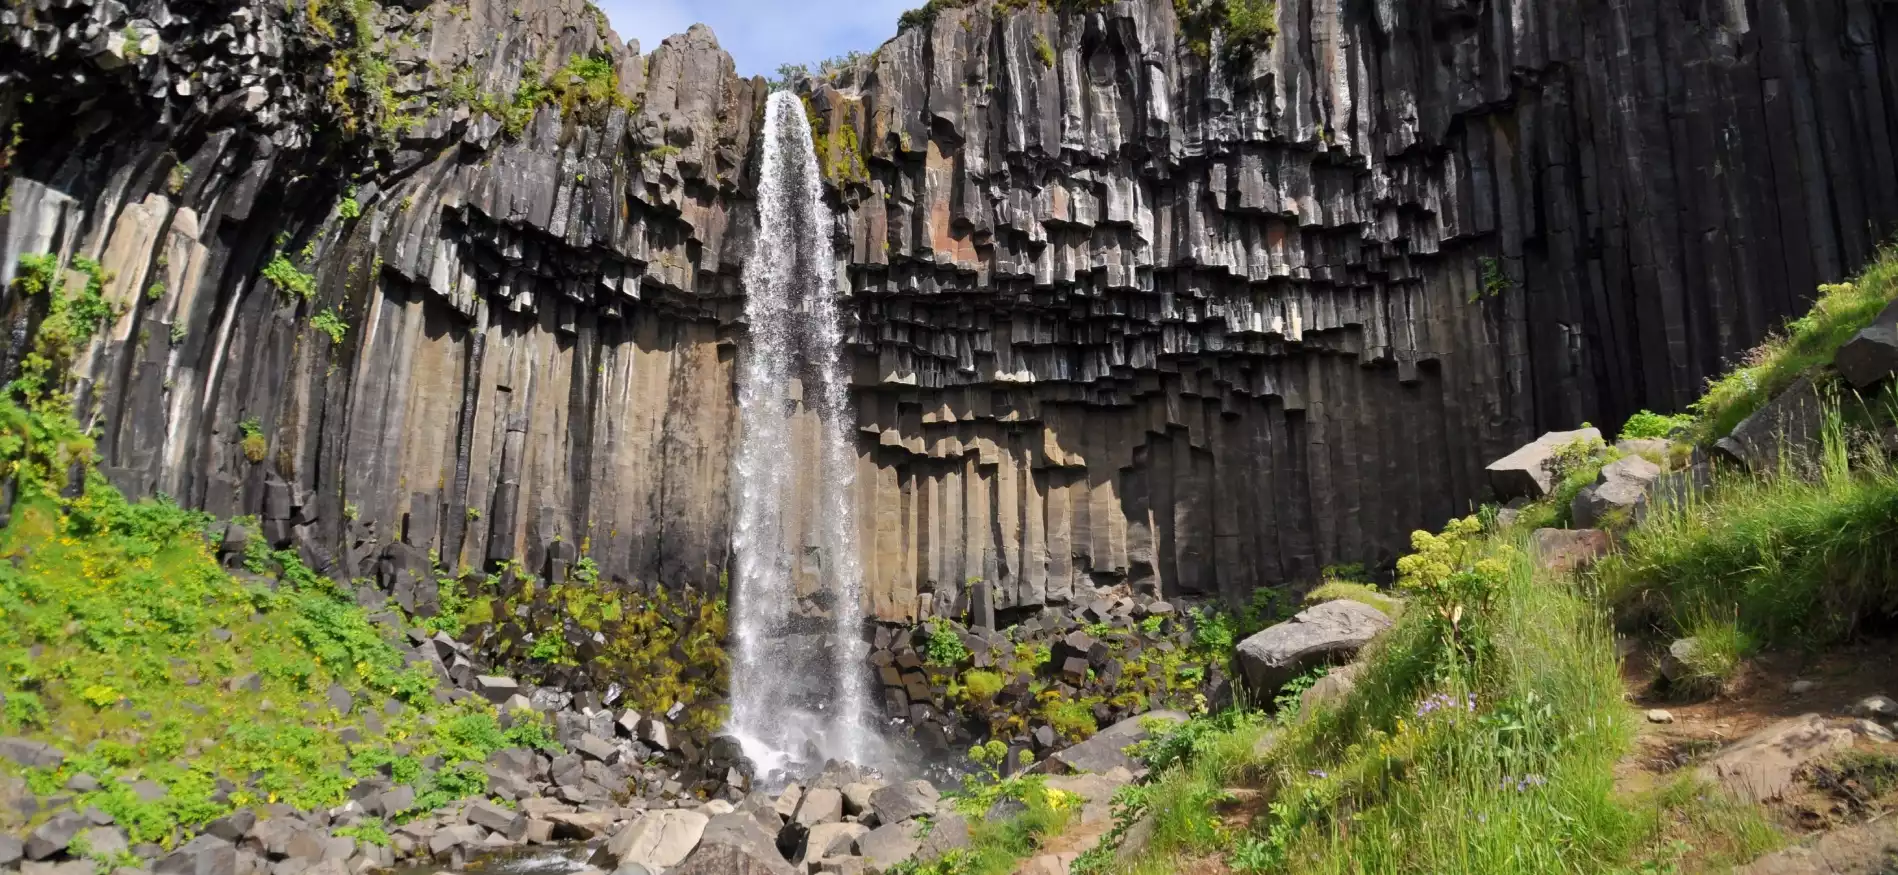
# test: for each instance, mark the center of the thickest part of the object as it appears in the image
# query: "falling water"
(797, 681)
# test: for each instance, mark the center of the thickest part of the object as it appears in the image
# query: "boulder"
(657, 840)
(1786, 428)
(949, 832)
(819, 805)
(55, 834)
(508, 822)
(64, 867)
(857, 796)
(1525, 472)
(831, 840)
(1762, 766)
(29, 754)
(1875, 708)
(1622, 486)
(891, 844)
(204, 855)
(900, 802)
(596, 748)
(1871, 356)
(11, 850)
(234, 826)
(1331, 690)
(1329, 633)
(1566, 550)
(1860, 849)
(104, 841)
(1107, 750)
(735, 844)
(496, 689)
(1677, 661)
(580, 825)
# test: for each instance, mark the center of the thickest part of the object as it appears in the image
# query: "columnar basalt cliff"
(1127, 305)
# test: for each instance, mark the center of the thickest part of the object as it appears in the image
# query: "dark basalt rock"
(1192, 324)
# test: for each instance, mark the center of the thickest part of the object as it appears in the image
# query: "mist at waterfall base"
(800, 685)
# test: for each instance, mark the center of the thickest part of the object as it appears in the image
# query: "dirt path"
(1821, 810)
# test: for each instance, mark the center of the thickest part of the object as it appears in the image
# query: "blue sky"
(762, 34)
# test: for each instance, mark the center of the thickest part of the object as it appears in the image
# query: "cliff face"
(1122, 310)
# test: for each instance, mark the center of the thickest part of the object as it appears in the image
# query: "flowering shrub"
(1456, 576)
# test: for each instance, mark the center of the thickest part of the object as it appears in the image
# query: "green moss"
(839, 153)
(1044, 51)
(253, 443)
(1361, 593)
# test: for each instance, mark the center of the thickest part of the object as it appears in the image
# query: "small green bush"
(943, 647)
(288, 279)
(1648, 424)
(331, 323)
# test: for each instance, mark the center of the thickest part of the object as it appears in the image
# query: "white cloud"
(762, 34)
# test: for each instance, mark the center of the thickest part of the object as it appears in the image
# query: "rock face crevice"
(1202, 323)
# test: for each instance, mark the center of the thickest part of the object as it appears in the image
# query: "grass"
(1789, 560)
(128, 647)
(1362, 593)
(1805, 344)
(1720, 645)
(1482, 737)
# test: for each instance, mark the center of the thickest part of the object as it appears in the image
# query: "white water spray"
(798, 681)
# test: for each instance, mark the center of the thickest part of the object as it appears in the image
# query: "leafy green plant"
(942, 646)
(254, 445)
(1494, 280)
(1648, 424)
(331, 323)
(285, 276)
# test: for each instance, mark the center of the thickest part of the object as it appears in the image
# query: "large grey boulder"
(30, 754)
(1329, 633)
(1623, 485)
(55, 834)
(658, 840)
(1871, 356)
(901, 802)
(1525, 472)
(819, 805)
(891, 844)
(831, 840)
(204, 855)
(505, 821)
(1787, 429)
(735, 844)
(949, 832)
(1107, 750)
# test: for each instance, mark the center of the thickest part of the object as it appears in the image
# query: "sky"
(763, 34)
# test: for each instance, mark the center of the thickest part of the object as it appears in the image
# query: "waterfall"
(798, 682)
